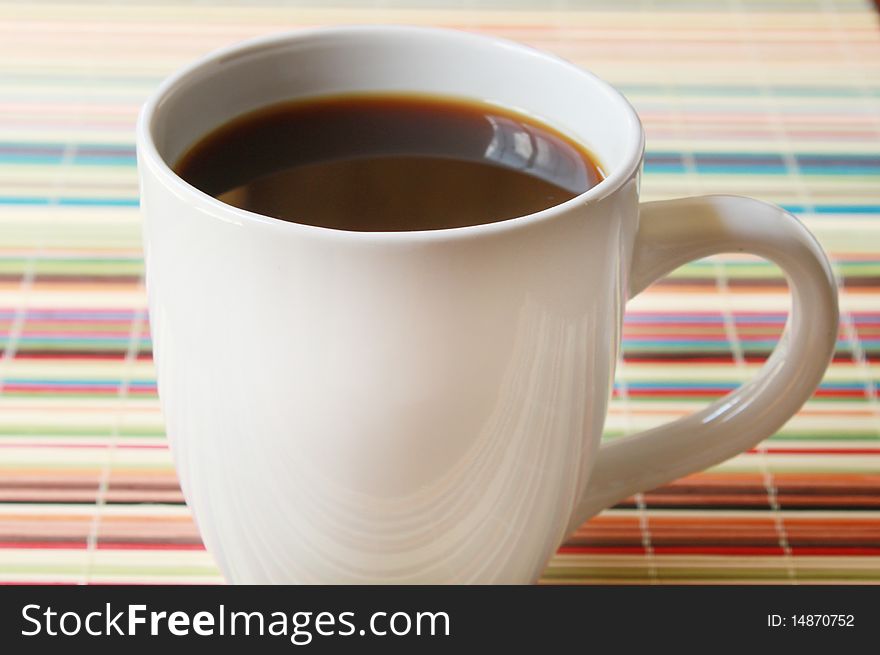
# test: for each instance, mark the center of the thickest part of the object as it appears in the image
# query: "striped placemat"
(776, 99)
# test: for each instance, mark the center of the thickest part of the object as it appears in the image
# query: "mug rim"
(149, 154)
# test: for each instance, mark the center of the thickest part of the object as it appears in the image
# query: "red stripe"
(24, 444)
(110, 545)
(720, 550)
(672, 550)
(4, 583)
(48, 545)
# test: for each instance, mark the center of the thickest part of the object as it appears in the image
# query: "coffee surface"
(389, 163)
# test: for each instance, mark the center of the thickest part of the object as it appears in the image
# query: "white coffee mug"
(427, 406)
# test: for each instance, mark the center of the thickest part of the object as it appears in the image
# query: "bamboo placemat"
(775, 99)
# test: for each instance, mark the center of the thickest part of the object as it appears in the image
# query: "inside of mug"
(396, 60)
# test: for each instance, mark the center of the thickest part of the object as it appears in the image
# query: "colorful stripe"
(778, 99)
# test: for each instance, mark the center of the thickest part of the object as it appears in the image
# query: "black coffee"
(389, 163)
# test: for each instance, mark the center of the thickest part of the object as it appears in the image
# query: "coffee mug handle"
(672, 233)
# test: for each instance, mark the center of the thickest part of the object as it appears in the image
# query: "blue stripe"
(764, 163)
(833, 209)
(75, 383)
(69, 202)
(52, 160)
(108, 202)
(851, 386)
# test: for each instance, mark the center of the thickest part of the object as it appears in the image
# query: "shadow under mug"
(427, 406)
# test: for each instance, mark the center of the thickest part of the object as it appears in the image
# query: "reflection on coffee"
(389, 163)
